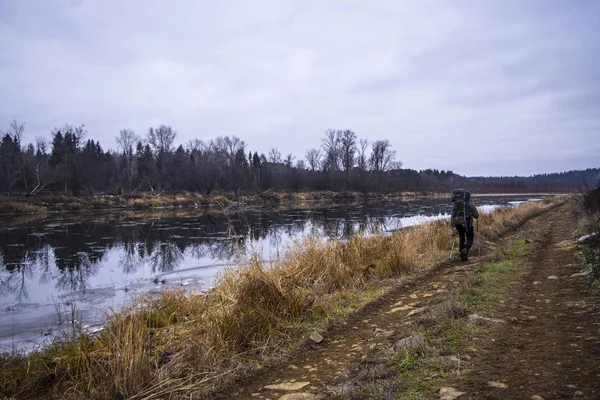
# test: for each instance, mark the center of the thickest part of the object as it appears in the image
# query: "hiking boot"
(464, 255)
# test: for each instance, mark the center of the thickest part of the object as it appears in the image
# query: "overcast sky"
(478, 87)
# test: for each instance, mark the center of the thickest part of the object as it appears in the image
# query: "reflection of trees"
(130, 258)
(331, 227)
(225, 249)
(43, 260)
(72, 253)
(18, 265)
(275, 237)
(165, 257)
(76, 278)
(13, 281)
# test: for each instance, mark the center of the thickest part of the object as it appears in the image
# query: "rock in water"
(498, 385)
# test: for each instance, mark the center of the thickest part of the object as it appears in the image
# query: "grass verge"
(193, 344)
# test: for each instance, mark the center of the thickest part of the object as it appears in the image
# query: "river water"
(76, 268)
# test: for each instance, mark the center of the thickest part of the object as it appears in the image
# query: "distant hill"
(590, 176)
(435, 180)
(559, 181)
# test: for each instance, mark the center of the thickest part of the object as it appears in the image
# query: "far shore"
(13, 205)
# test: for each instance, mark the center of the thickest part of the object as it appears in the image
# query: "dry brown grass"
(16, 207)
(196, 343)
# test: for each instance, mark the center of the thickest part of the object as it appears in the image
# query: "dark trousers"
(465, 236)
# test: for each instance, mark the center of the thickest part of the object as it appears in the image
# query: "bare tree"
(289, 160)
(16, 129)
(331, 150)
(235, 146)
(208, 163)
(347, 149)
(161, 139)
(229, 147)
(300, 164)
(41, 145)
(232, 150)
(78, 131)
(362, 160)
(313, 157)
(396, 165)
(274, 156)
(196, 145)
(382, 155)
(126, 141)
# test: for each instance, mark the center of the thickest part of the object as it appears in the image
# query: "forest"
(71, 163)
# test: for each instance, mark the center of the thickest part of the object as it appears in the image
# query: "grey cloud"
(278, 73)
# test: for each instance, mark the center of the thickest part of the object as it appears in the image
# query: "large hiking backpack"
(461, 208)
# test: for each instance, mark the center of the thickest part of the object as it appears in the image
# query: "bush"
(589, 220)
(589, 257)
(589, 209)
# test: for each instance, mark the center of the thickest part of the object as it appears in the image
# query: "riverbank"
(192, 343)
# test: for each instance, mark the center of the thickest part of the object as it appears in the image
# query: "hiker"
(463, 212)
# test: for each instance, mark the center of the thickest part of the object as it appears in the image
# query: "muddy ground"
(547, 345)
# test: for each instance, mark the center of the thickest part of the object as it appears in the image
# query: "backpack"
(461, 208)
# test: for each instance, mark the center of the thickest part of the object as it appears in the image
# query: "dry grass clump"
(42, 203)
(14, 207)
(196, 343)
(147, 200)
(503, 219)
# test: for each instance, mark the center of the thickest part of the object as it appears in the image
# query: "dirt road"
(546, 342)
(550, 346)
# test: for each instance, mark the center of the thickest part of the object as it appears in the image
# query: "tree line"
(73, 164)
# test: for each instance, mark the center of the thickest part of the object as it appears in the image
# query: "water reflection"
(71, 254)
